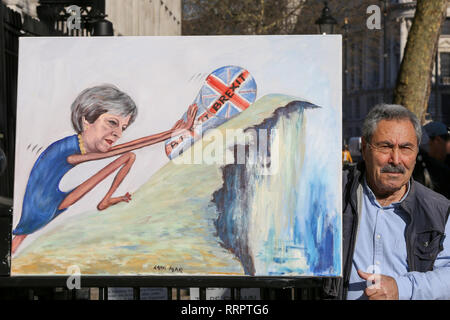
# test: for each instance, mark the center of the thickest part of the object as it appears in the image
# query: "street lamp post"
(326, 22)
(101, 26)
(91, 14)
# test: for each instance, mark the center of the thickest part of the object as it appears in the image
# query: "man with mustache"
(394, 244)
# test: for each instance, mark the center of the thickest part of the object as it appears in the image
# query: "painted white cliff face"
(285, 222)
(272, 232)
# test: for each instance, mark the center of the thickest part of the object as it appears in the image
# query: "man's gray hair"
(389, 112)
(93, 102)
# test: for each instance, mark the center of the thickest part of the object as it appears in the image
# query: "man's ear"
(363, 147)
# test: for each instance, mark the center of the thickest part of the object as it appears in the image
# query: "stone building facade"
(372, 71)
(129, 17)
(144, 17)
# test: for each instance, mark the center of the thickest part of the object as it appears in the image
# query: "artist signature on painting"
(169, 268)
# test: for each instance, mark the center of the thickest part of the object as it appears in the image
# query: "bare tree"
(221, 17)
(414, 80)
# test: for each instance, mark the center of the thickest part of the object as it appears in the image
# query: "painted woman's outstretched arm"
(124, 162)
(179, 128)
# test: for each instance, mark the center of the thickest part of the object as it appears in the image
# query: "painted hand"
(192, 112)
(383, 287)
(182, 127)
(178, 125)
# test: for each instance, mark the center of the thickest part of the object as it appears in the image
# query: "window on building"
(357, 110)
(356, 132)
(432, 105)
(446, 27)
(352, 68)
(445, 108)
(360, 64)
(372, 102)
(356, 76)
(445, 67)
(349, 115)
(374, 52)
(445, 105)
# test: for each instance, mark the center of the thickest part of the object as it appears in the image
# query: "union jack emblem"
(228, 91)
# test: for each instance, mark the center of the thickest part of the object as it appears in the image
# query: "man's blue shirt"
(381, 248)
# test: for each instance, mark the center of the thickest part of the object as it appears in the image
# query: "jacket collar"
(407, 204)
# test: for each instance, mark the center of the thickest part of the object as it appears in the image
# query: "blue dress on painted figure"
(42, 195)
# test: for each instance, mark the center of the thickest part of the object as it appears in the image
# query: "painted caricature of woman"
(99, 116)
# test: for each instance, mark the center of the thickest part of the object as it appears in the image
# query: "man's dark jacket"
(428, 212)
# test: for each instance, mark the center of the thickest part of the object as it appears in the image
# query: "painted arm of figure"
(179, 127)
(124, 162)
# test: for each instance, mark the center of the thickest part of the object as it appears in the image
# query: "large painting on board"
(178, 156)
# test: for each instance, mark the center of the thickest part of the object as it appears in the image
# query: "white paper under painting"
(178, 156)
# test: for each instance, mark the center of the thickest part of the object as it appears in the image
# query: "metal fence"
(10, 26)
(13, 26)
(173, 288)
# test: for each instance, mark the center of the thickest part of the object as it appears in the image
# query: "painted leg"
(16, 241)
(125, 161)
(108, 201)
